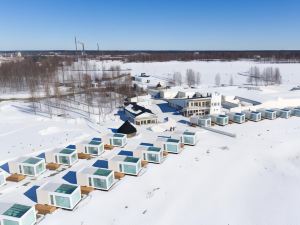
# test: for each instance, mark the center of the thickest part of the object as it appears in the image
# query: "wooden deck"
(144, 163)
(86, 190)
(82, 155)
(44, 209)
(16, 177)
(119, 175)
(108, 147)
(52, 166)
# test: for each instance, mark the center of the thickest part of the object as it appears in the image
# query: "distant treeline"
(144, 56)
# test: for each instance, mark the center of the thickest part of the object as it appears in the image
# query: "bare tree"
(278, 78)
(177, 79)
(231, 82)
(198, 78)
(190, 77)
(218, 80)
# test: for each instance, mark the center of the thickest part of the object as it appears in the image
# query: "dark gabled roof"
(127, 128)
(138, 109)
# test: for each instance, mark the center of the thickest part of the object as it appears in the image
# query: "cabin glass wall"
(64, 159)
(28, 170)
(63, 202)
(10, 222)
(131, 169)
(100, 183)
(152, 157)
(172, 148)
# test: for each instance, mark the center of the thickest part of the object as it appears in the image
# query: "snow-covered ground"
(251, 179)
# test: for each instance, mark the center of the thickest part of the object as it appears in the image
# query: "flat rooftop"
(154, 149)
(59, 188)
(103, 172)
(131, 159)
(66, 189)
(16, 210)
(32, 160)
(67, 151)
(119, 135)
(173, 140)
(95, 142)
(189, 133)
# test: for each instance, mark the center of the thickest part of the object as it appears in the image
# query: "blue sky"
(150, 24)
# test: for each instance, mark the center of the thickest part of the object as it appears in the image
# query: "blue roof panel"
(73, 147)
(146, 144)
(31, 193)
(101, 164)
(5, 167)
(126, 153)
(70, 177)
(42, 155)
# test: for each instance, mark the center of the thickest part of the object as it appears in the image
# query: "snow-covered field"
(251, 179)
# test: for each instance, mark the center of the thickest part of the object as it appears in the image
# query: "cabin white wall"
(80, 148)
(13, 167)
(50, 157)
(42, 196)
(113, 165)
(82, 179)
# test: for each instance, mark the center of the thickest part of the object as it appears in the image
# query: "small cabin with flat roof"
(118, 140)
(268, 113)
(220, 119)
(283, 113)
(172, 145)
(66, 156)
(189, 138)
(98, 178)
(29, 166)
(150, 154)
(17, 214)
(296, 111)
(125, 164)
(253, 115)
(93, 147)
(202, 121)
(60, 195)
(237, 117)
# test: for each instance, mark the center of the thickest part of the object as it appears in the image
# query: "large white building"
(191, 103)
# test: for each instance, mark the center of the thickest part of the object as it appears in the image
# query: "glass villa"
(189, 138)
(268, 114)
(64, 156)
(172, 145)
(296, 111)
(220, 119)
(202, 121)
(60, 195)
(101, 179)
(237, 117)
(118, 140)
(17, 214)
(94, 147)
(125, 164)
(29, 166)
(283, 113)
(253, 115)
(149, 153)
